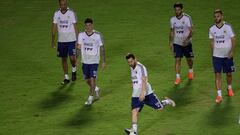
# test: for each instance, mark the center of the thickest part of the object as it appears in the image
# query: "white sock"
(166, 102)
(219, 92)
(229, 86)
(90, 98)
(74, 69)
(66, 76)
(177, 75)
(134, 127)
(96, 88)
(190, 70)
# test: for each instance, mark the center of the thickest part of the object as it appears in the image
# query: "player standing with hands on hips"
(222, 44)
(65, 24)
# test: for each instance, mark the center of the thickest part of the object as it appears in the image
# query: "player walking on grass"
(222, 44)
(142, 92)
(65, 24)
(90, 43)
(180, 40)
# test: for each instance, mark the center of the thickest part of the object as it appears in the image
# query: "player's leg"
(218, 64)
(72, 56)
(62, 52)
(177, 69)
(92, 74)
(188, 53)
(136, 108)
(228, 69)
(178, 51)
(153, 101)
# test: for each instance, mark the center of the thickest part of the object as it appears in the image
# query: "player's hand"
(185, 42)
(53, 44)
(171, 46)
(78, 47)
(142, 96)
(103, 65)
(230, 55)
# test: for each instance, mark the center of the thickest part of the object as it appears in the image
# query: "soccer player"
(90, 42)
(65, 24)
(222, 44)
(180, 40)
(142, 92)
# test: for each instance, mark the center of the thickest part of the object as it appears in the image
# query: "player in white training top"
(222, 44)
(142, 92)
(90, 42)
(65, 24)
(180, 40)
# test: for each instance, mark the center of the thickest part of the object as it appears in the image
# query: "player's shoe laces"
(218, 99)
(65, 81)
(130, 132)
(230, 92)
(74, 76)
(97, 93)
(172, 103)
(190, 75)
(177, 81)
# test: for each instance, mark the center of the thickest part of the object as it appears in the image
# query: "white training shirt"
(90, 47)
(181, 27)
(222, 40)
(137, 73)
(66, 31)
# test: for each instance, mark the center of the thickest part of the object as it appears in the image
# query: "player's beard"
(179, 15)
(218, 21)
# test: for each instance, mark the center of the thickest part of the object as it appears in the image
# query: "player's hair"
(88, 20)
(178, 4)
(60, 0)
(130, 55)
(218, 11)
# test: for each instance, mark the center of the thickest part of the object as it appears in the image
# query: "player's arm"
(189, 35)
(76, 29)
(144, 86)
(171, 35)
(54, 31)
(212, 44)
(103, 53)
(233, 39)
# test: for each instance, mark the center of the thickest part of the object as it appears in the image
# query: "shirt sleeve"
(189, 24)
(80, 42)
(55, 18)
(210, 34)
(143, 70)
(101, 40)
(171, 23)
(74, 18)
(231, 32)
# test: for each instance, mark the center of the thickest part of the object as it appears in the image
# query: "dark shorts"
(89, 70)
(66, 49)
(150, 100)
(223, 64)
(181, 51)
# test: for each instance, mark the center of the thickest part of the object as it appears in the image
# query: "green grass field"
(33, 103)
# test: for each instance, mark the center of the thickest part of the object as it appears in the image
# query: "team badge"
(224, 31)
(183, 22)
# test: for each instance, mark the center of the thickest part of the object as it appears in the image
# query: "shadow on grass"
(180, 94)
(60, 95)
(81, 119)
(220, 112)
